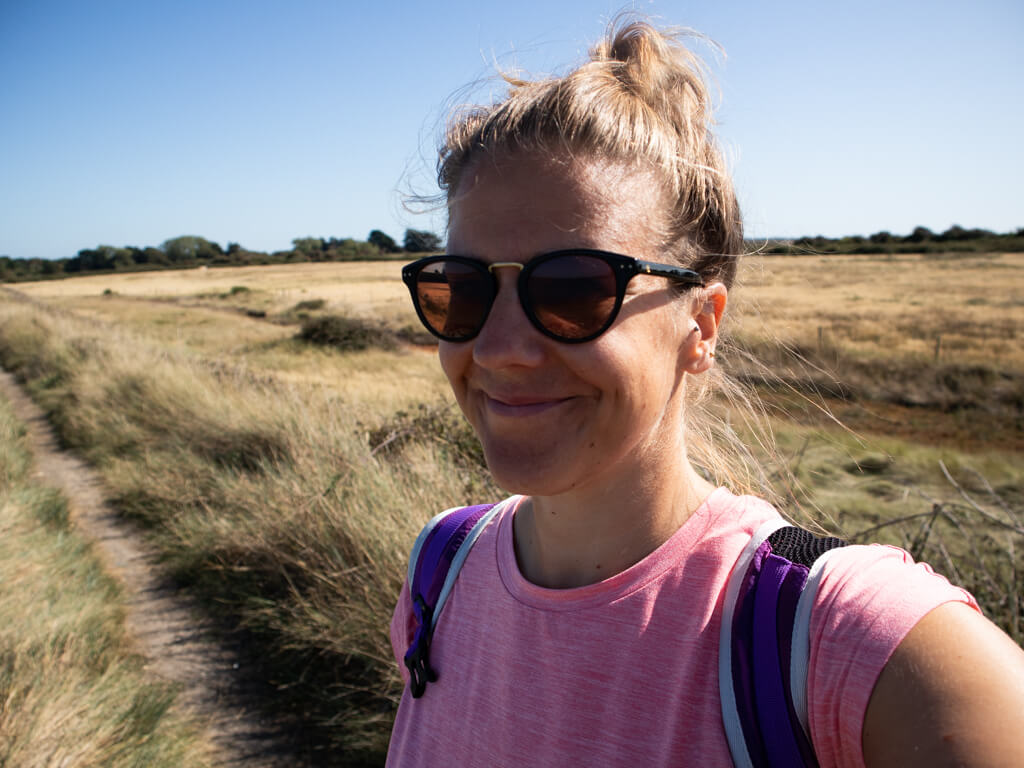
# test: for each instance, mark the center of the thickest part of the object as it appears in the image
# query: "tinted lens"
(573, 295)
(454, 298)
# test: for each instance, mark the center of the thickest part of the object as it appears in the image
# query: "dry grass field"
(365, 287)
(285, 480)
(891, 308)
(963, 310)
(72, 689)
(926, 348)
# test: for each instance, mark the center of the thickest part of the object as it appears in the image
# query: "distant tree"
(817, 242)
(309, 248)
(881, 237)
(956, 232)
(919, 235)
(347, 249)
(189, 248)
(122, 259)
(101, 257)
(153, 255)
(233, 248)
(52, 267)
(385, 242)
(419, 241)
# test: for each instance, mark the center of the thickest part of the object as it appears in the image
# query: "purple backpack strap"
(764, 647)
(436, 558)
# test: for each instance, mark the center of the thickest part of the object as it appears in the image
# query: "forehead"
(513, 206)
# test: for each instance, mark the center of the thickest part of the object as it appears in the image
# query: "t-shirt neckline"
(614, 587)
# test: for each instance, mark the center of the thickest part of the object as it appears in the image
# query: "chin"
(530, 473)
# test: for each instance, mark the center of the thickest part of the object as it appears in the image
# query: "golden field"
(875, 307)
(285, 480)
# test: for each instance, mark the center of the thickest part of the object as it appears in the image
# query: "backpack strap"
(437, 556)
(765, 643)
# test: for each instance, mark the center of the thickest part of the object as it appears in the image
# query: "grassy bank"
(266, 497)
(71, 691)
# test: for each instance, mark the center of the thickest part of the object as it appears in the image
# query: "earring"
(711, 354)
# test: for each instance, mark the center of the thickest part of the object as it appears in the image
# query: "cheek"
(642, 397)
(647, 376)
(454, 359)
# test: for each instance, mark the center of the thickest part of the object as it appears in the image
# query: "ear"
(708, 309)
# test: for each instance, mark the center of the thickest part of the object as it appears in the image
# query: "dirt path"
(169, 633)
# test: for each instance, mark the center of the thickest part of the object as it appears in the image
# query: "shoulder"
(881, 590)
(727, 515)
(870, 598)
(403, 620)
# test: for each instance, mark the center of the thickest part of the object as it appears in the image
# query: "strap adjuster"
(417, 658)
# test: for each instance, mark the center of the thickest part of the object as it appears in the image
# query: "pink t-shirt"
(625, 672)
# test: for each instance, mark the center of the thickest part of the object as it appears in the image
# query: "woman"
(583, 626)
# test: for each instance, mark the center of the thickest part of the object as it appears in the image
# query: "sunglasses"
(571, 296)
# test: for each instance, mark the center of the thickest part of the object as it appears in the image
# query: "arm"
(952, 694)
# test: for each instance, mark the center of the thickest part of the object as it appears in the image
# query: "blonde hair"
(642, 99)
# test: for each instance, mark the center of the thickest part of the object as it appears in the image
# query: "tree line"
(194, 251)
(956, 239)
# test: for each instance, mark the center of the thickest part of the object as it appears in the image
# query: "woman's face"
(556, 417)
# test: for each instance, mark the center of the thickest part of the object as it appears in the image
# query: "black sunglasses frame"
(624, 268)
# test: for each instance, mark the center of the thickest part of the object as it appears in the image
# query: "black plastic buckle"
(418, 661)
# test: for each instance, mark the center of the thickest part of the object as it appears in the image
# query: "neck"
(588, 535)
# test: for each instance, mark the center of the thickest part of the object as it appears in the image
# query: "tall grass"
(962, 513)
(267, 499)
(71, 691)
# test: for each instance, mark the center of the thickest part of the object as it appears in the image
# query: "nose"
(508, 338)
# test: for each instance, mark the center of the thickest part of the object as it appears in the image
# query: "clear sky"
(128, 123)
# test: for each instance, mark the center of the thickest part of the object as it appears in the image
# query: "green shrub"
(438, 424)
(346, 333)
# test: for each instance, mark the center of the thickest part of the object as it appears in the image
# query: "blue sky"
(127, 123)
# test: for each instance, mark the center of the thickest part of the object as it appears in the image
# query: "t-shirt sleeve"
(869, 599)
(403, 627)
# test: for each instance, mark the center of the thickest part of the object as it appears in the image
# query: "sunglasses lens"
(572, 296)
(454, 298)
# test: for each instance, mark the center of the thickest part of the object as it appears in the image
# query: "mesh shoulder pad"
(801, 546)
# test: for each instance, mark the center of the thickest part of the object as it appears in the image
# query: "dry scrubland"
(71, 690)
(285, 480)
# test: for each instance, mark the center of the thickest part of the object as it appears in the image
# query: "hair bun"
(642, 97)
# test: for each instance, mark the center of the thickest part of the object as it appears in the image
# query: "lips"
(521, 406)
